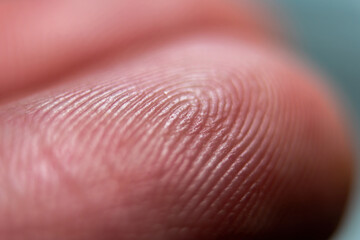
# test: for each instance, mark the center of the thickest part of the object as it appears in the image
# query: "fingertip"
(205, 137)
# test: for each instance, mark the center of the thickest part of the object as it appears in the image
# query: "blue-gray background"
(328, 31)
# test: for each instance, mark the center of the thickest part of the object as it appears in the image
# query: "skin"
(116, 124)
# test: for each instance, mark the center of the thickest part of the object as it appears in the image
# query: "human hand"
(177, 119)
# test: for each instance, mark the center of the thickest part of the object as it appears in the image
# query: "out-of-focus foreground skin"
(178, 119)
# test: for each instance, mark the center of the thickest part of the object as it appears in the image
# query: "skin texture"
(210, 130)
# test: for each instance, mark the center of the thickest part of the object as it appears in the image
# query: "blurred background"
(328, 32)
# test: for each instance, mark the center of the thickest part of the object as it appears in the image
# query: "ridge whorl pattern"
(210, 142)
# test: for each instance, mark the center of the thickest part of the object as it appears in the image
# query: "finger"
(39, 41)
(207, 137)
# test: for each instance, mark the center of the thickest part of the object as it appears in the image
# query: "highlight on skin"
(206, 135)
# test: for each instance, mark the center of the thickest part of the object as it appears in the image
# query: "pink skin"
(207, 133)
